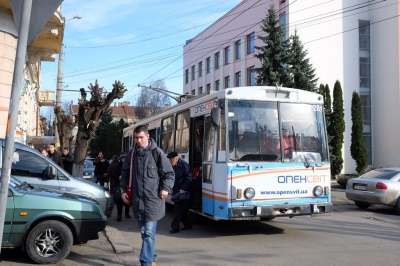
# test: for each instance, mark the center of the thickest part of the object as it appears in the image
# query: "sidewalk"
(339, 194)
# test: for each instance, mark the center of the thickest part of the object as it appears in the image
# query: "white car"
(379, 186)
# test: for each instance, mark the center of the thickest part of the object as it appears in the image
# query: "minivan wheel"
(362, 205)
(49, 242)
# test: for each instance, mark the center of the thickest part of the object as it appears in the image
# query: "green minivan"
(46, 223)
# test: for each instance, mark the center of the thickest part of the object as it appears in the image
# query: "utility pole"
(58, 93)
(13, 109)
(60, 83)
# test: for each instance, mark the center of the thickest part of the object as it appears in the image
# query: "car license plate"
(360, 187)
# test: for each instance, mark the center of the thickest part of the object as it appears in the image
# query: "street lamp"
(60, 82)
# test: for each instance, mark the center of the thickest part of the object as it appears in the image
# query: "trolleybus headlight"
(249, 193)
(318, 190)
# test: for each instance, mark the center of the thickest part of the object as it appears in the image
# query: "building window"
(251, 39)
(200, 90)
(193, 72)
(238, 49)
(366, 108)
(217, 85)
(365, 75)
(238, 79)
(186, 75)
(217, 60)
(227, 82)
(208, 64)
(227, 55)
(193, 92)
(251, 76)
(200, 69)
(282, 24)
(208, 88)
(364, 35)
(368, 146)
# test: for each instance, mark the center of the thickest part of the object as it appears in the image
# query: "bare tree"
(89, 117)
(151, 102)
(65, 124)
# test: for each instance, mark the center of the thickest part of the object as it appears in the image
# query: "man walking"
(54, 155)
(68, 160)
(100, 169)
(183, 180)
(152, 179)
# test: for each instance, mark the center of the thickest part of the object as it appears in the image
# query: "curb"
(121, 246)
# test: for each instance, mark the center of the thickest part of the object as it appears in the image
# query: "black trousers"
(181, 214)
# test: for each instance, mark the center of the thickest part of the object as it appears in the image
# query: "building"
(355, 42)
(119, 111)
(43, 48)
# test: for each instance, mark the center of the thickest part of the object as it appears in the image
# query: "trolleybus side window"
(182, 132)
(167, 126)
(221, 149)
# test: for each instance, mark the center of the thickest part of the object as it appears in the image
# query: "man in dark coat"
(68, 160)
(100, 169)
(55, 155)
(183, 180)
(152, 180)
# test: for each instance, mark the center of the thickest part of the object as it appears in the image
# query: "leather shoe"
(127, 216)
(174, 231)
(187, 228)
(119, 218)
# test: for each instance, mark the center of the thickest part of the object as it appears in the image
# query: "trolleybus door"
(209, 149)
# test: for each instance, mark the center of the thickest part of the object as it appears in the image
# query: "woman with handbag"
(114, 173)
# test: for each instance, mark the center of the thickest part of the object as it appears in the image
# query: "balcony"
(46, 98)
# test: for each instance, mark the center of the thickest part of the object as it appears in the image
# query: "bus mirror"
(216, 116)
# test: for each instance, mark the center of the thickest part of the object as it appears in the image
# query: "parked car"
(46, 223)
(30, 166)
(379, 186)
(88, 169)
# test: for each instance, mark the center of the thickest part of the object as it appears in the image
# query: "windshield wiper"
(295, 148)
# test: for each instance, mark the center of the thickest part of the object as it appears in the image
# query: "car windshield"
(88, 164)
(381, 174)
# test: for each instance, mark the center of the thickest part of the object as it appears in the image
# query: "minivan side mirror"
(50, 172)
(215, 116)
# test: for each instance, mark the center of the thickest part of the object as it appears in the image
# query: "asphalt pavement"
(120, 243)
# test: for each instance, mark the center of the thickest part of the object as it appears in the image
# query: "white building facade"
(354, 42)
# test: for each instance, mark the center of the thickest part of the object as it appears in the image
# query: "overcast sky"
(134, 41)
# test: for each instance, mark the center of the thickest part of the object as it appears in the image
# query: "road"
(348, 236)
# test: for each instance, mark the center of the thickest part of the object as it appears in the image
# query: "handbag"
(180, 196)
(129, 186)
(117, 195)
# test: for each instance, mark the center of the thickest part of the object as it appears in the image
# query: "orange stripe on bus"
(215, 197)
(215, 192)
(241, 175)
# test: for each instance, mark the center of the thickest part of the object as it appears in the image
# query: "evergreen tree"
(336, 130)
(301, 70)
(108, 137)
(327, 100)
(357, 149)
(273, 56)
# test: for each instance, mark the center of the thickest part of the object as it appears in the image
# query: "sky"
(133, 41)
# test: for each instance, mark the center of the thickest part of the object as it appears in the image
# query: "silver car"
(379, 186)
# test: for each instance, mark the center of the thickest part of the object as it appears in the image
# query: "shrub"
(342, 180)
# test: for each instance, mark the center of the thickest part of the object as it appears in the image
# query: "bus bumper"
(260, 212)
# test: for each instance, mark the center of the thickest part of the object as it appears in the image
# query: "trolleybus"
(256, 152)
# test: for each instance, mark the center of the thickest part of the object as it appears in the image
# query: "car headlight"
(107, 194)
(318, 190)
(249, 193)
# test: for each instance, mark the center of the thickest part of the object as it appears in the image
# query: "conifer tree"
(273, 56)
(358, 149)
(301, 70)
(336, 130)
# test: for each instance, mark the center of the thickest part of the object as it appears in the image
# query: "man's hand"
(163, 194)
(125, 197)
